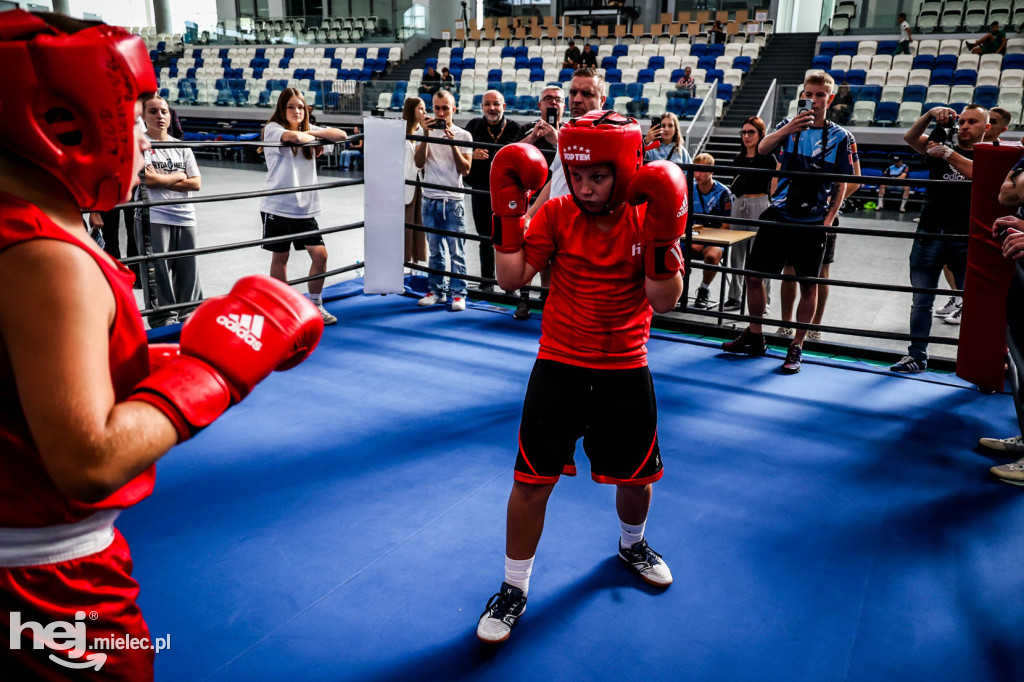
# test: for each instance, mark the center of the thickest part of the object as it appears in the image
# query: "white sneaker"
(431, 298)
(814, 335)
(328, 318)
(784, 331)
(951, 305)
(647, 563)
(954, 317)
(1013, 446)
(458, 303)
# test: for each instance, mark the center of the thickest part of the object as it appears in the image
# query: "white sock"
(517, 573)
(903, 204)
(317, 299)
(630, 535)
(703, 286)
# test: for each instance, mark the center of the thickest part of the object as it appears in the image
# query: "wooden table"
(717, 236)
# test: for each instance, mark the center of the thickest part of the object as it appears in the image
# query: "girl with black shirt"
(751, 197)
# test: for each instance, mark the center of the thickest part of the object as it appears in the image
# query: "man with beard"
(494, 128)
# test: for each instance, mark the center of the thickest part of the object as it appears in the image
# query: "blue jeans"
(348, 156)
(926, 260)
(446, 214)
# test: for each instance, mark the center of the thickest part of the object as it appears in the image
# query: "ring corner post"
(384, 214)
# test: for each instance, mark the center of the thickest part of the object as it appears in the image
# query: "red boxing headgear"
(603, 137)
(69, 103)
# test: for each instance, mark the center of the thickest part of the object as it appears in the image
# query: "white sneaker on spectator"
(1013, 446)
(950, 307)
(954, 317)
(327, 317)
(458, 303)
(784, 331)
(814, 335)
(431, 298)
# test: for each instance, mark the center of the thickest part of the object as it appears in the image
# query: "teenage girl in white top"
(285, 214)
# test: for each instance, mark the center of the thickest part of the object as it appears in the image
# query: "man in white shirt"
(444, 164)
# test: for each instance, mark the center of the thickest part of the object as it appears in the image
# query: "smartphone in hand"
(804, 105)
(551, 117)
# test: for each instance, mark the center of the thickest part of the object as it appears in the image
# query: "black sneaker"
(522, 309)
(908, 365)
(500, 616)
(731, 304)
(748, 342)
(794, 358)
(647, 563)
(703, 300)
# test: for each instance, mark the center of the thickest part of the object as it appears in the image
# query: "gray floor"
(858, 258)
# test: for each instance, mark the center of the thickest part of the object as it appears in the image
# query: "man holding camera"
(494, 128)
(444, 164)
(948, 153)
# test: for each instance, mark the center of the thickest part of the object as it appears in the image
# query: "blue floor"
(347, 522)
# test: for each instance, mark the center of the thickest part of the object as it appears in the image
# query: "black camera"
(945, 133)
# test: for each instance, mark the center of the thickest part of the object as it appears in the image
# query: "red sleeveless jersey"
(28, 497)
(597, 313)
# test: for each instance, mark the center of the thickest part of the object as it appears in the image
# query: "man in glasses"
(494, 128)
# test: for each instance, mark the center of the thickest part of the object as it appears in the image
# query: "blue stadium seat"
(536, 75)
(222, 53)
(613, 76)
(638, 107)
(457, 53)
(828, 48)
(609, 62)
(1013, 61)
(869, 93)
(565, 75)
(494, 76)
(478, 101)
(706, 63)
(508, 89)
(838, 75)
(942, 77)
(452, 65)
(887, 112)
(264, 100)
(847, 47)
(958, 107)
(725, 92)
(715, 50)
(466, 63)
(455, 73)
(365, 75)
(676, 75)
(536, 63)
(928, 106)
(822, 62)
(986, 95)
(397, 100)
(609, 103)
(522, 63)
(645, 76)
(914, 93)
(857, 76)
(616, 89)
(656, 62)
(698, 50)
(676, 106)
(522, 51)
(261, 52)
(886, 47)
(965, 77)
(619, 50)
(508, 51)
(692, 105)
(714, 75)
(872, 173)
(634, 90)
(945, 61)
(741, 63)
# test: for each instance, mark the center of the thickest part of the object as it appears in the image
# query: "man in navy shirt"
(811, 144)
(898, 169)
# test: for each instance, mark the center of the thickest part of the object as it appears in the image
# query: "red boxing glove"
(161, 354)
(517, 171)
(662, 186)
(228, 345)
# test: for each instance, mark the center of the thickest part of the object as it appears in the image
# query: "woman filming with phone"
(666, 131)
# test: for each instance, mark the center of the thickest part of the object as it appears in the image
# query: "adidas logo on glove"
(249, 328)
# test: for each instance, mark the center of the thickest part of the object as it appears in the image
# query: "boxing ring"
(347, 520)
